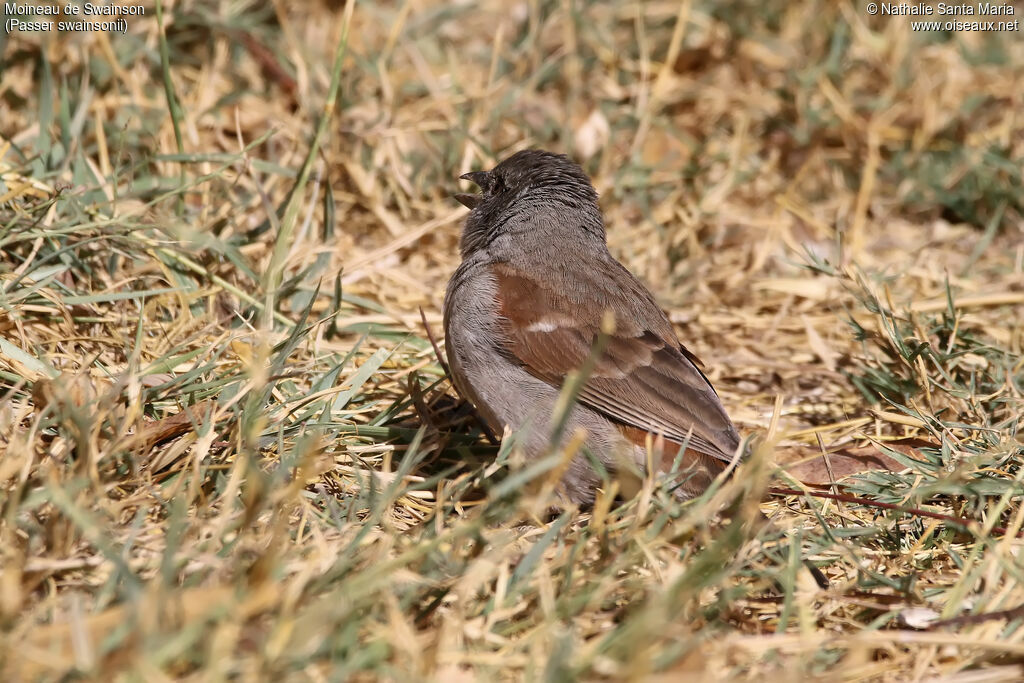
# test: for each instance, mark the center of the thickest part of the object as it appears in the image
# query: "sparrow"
(525, 308)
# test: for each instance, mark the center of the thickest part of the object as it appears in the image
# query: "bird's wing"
(644, 379)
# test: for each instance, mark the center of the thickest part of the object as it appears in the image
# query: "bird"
(530, 303)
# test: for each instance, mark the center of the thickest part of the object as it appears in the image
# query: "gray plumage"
(525, 307)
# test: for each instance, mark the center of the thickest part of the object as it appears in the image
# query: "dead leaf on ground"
(808, 465)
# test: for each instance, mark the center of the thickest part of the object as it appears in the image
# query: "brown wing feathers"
(644, 379)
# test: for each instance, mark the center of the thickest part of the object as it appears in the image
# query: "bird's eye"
(497, 185)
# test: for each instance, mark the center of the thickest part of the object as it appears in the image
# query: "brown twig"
(437, 349)
(272, 68)
(967, 619)
(857, 500)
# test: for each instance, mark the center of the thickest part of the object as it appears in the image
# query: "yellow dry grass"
(227, 449)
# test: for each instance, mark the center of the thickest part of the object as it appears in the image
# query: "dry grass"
(228, 451)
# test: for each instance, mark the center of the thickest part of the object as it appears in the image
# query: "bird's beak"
(470, 201)
(475, 177)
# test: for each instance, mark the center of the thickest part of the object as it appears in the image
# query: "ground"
(228, 449)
